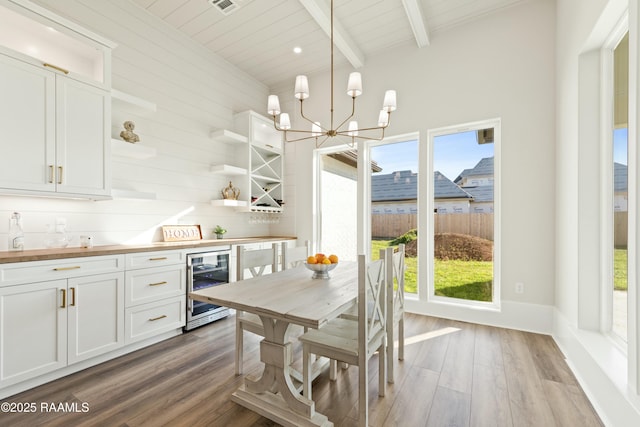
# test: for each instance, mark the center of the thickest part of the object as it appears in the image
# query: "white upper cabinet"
(55, 111)
(34, 34)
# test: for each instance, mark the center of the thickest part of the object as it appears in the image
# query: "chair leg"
(389, 350)
(382, 378)
(333, 370)
(306, 372)
(363, 393)
(401, 338)
(239, 348)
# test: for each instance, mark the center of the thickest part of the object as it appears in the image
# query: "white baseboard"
(601, 369)
(513, 315)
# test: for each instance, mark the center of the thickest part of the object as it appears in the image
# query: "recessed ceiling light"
(297, 49)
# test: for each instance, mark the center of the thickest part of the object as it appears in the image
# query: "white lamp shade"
(285, 123)
(353, 128)
(273, 105)
(354, 87)
(302, 87)
(389, 103)
(383, 118)
(316, 130)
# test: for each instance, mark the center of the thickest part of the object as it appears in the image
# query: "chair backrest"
(394, 261)
(295, 256)
(256, 261)
(371, 293)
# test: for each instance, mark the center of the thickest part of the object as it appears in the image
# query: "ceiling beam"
(416, 19)
(321, 13)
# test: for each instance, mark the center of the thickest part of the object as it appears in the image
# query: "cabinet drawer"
(154, 259)
(35, 271)
(147, 320)
(152, 284)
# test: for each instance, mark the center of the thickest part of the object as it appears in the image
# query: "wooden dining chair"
(354, 341)
(295, 256)
(251, 263)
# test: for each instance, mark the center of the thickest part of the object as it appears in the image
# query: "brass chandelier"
(320, 133)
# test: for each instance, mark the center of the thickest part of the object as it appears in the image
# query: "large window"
(464, 209)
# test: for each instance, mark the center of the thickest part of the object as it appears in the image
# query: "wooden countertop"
(77, 252)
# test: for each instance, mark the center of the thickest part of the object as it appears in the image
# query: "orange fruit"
(333, 258)
(312, 260)
(320, 257)
(326, 261)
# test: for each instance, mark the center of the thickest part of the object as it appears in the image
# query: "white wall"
(499, 66)
(195, 92)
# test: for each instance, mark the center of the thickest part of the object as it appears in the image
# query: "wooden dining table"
(281, 299)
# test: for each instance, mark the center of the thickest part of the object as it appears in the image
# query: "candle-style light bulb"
(383, 118)
(389, 103)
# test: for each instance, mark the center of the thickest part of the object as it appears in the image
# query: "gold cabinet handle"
(59, 174)
(55, 67)
(269, 145)
(50, 174)
(75, 267)
(64, 298)
(153, 319)
(73, 297)
(158, 259)
(158, 283)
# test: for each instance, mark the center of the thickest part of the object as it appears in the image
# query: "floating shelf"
(134, 151)
(130, 194)
(228, 170)
(227, 202)
(228, 137)
(140, 103)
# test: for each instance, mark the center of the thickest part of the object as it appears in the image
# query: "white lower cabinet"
(95, 315)
(48, 325)
(33, 327)
(155, 294)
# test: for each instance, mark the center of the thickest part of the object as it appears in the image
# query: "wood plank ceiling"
(259, 36)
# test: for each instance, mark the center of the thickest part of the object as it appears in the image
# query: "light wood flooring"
(454, 374)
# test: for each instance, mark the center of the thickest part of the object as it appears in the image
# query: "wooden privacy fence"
(620, 229)
(390, 226)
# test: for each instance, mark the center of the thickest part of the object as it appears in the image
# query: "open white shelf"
(140, 103)
(228, 137)
(134, 151)
(131, 194)
(227, 202)
(228, 170)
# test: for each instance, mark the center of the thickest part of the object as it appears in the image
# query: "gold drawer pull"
(157, 284)
(55, 67)
(64, 298)
(59, 174)
(73, 297)
(162, 258)
(157, 318)
(50, 174)
(75, 267)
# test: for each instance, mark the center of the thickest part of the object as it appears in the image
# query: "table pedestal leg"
(274, 395)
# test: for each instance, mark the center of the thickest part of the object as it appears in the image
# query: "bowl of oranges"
(321, 265)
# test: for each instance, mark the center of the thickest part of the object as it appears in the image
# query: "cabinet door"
(96, 315)
(27, 121)
(82, 151)
(33, 330)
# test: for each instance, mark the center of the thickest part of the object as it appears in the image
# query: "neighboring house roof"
(444, 188)
(483, 168)
(403, 185)
(482, 193)
(400, 185)
(620, 179)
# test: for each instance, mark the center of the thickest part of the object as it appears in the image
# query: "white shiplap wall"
(195, 93)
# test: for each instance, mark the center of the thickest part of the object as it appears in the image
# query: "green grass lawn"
(620, 269)
(456, 279)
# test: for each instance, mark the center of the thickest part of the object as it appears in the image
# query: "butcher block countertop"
(76, 252)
